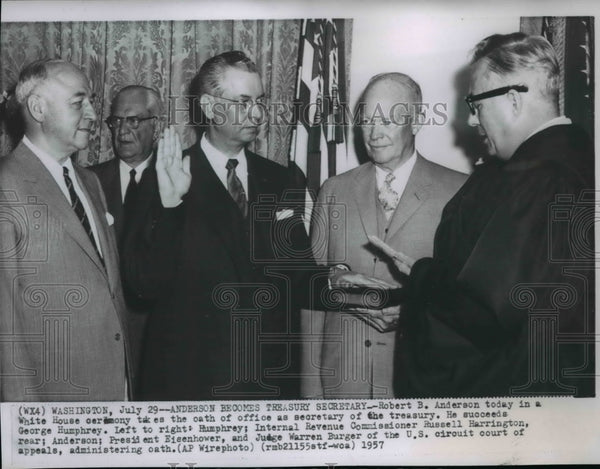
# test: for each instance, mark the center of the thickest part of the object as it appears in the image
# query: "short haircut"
(210, 76)
(505, 54)
(400, 79)
(33, 75)
(155, 102)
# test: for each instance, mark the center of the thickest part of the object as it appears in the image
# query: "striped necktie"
(80, 211)
(235, 188)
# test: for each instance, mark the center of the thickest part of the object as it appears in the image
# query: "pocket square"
(110, 219)
(283, 214)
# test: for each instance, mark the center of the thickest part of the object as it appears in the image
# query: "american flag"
(319, 145)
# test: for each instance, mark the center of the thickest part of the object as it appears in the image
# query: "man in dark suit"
(505, 305)
(136, 114)
(62, 320)
(217, 249)
(397, 196)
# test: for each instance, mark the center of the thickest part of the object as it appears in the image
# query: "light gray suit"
(62, 326)
(343, 357)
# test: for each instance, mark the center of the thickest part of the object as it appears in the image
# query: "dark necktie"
(235, 188)
(80, 211)
(131, 190)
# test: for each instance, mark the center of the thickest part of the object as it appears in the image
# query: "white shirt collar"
(56, 171)
(124, 170)
(560, 120)
(52, 165)
(401, 173)
(139, 169)
(218, 160)
(45, 157)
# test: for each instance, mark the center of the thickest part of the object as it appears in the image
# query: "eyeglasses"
(470, 99)
(133, 122)
(245, 103)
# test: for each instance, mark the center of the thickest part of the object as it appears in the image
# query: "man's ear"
(36, 106)
(417, 117)
(516, 102)
(416, 124)
(159, 126)
(206, 104)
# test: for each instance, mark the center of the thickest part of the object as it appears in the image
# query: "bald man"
(62, 321)
(504, 307)
(135, 124)
(398, 196)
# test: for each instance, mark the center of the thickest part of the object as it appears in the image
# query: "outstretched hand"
(349, 279)
(381, 319)
(172, 170)
(402, 262)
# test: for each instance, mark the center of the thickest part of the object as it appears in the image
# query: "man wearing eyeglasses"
(135, 126)
(135, 119)
(63, 316)
(503, 248)
(210, 253)
(505, 305)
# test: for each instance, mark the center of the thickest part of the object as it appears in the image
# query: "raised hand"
(172, 170)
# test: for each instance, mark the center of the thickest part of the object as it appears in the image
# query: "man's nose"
(473, 119)
(376, 131)
(257, 113)
(123, 127)
(89, 112)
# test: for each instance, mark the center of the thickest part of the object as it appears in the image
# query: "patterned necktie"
(131, 190)
(235, 188)
(388, 197)
(80, 211)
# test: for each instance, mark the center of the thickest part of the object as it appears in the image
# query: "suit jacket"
(110, 179)
(62, 318)
(347, 358)
(223, 303)
(505, 306)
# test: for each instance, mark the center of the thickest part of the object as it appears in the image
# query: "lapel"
(106, 240)
(365, 192)
(416, 192)
(113, 194)
(264, 196)
(259, 180)
(210, 197)
(43, 184)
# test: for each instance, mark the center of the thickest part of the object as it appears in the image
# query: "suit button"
(400, 335)
(367, 343)
(117, 336)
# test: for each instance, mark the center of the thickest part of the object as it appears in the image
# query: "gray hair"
(505, 54)
(33, 75)
(400, 79)
(155, 102)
